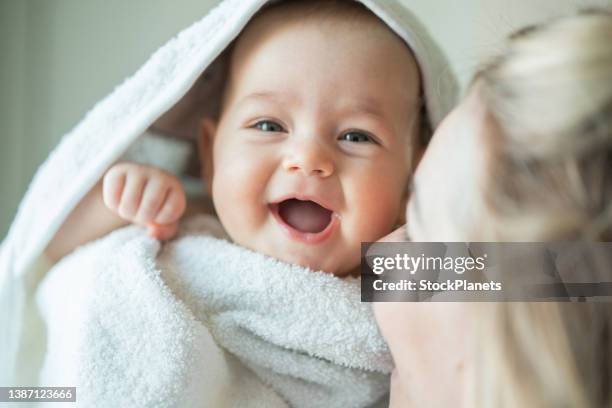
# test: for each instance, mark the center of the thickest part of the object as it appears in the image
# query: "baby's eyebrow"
(266, 95)
(366, 106)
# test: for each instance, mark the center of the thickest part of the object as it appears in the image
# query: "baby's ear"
(417, 154)
(206, 135)
(401, 217)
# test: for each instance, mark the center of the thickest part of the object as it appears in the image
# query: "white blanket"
(132, 323)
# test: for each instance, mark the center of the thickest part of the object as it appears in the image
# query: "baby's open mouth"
(304, 215)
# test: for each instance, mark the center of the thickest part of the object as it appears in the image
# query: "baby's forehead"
(329, 15)
(348, 20)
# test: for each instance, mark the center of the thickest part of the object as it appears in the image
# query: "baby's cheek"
(238, 197)
(377, 211)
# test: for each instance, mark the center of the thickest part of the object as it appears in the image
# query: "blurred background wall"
(58, 57)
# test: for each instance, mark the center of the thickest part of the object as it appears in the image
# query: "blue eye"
(357, 137)
(268, 126)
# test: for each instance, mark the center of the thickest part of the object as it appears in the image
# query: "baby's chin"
(316, 262)
(331, 257)
(327, 264)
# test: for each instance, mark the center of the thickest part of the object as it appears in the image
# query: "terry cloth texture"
(133, 323)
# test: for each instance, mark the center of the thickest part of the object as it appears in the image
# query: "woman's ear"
(206, 135)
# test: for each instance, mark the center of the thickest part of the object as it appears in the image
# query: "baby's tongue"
(305, 216)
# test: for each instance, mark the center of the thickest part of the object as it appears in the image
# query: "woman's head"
(549, 178)
(551, 97)
(527, 156)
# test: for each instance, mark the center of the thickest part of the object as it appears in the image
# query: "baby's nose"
(310, 158)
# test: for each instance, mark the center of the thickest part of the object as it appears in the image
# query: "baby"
(316, 139)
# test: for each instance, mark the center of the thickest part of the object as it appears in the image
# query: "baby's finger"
(112, 188)
(131, 196)
(155, 192)
(173, 207)
(162, 232)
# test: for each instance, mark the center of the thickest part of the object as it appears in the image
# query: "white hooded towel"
(184, 73)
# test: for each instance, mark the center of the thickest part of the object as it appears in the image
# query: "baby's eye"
(357, 137)
(268, 126)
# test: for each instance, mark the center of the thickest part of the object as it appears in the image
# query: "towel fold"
(133, 323)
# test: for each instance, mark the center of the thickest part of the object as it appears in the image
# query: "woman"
(527, 156)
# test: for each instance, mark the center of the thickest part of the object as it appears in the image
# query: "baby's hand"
(145, 195)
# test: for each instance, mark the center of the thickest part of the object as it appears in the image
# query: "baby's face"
(313, 150)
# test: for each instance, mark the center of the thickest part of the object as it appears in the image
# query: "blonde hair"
(550, 95)
(549, 178)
